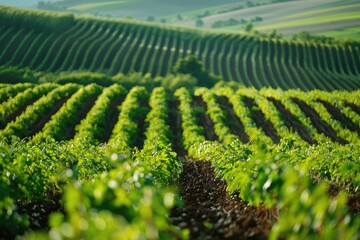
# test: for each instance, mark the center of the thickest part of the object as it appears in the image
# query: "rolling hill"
(94, 144)
(332, 18)
(63, 42)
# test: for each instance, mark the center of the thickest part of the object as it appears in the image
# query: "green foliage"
(10, 91)
(230, 84)
(191, 65)
(84, 78)
(192, 133)
(174, 82)
(126, 128)
(216, 115)
(118, 191)
(102, 209)
(32, 172)
(199, 22)
(248, 27)
(16, 75)
(21, 99)
(157, 151)
(92, 128)
(266, 176)
(36, 19)
(68, 114)
(305, 36)
(21, 127)
(136, 79)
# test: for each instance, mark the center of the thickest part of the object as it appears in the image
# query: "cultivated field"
(122, 46)
(99, 138)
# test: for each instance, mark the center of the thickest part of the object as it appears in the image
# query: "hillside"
(119, 129)
(62, 42)
(332, 18)
(322, 17)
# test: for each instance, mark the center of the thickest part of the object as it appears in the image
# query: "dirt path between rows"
(211, 213)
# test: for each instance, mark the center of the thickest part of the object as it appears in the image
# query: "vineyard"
(93, 147)
(154, 138)
(62, 42)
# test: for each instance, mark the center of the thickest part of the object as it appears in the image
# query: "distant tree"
(275, 34)
(193, 66)
(249, 4)
(16, 75)
(163, 20)
(242, 21)
(150, 19)
(258, 19)
(248, 27)
(173, 82)
(179, 17)
(199, 23)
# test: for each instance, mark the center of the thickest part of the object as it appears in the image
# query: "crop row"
(265, 116)
(115, 46)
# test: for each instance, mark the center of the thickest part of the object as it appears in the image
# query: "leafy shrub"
(136, 79)
(173, 82)
(36, 19)
(84, 78)
(15, 75)
(191, 65)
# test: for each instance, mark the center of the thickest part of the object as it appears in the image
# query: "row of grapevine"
(36, 115)
(62, 124)
(93, 128)
(192, 132)
(217, 116)
(126, 129)
(111, 194)
(115, 46)
(157, 151)
(11, 90)
(13, 106)
(264, 116)
(285, 179)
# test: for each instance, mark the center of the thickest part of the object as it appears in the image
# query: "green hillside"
(63, 42)
(332, 18)
(120, 129)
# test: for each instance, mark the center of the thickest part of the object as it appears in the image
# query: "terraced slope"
(121, 46)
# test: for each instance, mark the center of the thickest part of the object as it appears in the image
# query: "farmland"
(288, 17)
(119, 129)
(166, 128)
(124, 46)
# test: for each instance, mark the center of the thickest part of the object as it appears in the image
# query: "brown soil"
(338, 115)
(46, 117)
(353, 203)
(233, 122)
(38, 213)
(203, 119)
(112, 117)
(139, 117)
(354, 107)
(81, 114)
(260, 119)
(210, 213)
(293, 123)
(12, 116)
(174, 121)
(318, 123)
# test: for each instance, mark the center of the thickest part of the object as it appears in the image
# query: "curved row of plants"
(123, 46)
